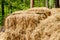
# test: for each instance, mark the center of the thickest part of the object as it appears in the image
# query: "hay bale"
(39, 10)
(21, 20)
(11, 35)
(20, 23)
(55, 10)
(49, 29)
(3, 36)
(18, 12)
(23, 23)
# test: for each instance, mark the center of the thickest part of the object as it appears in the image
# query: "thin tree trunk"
(2, 7)
(2, 11)
(57, 3)
(11, 7)
(31, 3)
(46, 3)
(22, 1)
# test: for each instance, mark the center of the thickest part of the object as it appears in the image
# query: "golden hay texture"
(39, 10)
(49, 29)
(11, 35)
(3, 36)
(18, 12)
(22, 20)
(20, 25)
(23, 23)
(55, 10)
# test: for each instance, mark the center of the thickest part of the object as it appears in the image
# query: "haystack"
(18, 12)
(11, 35)
(49, 29)
(21, 20)
(23, 23)
(3, 36)
(14, 20)
(55, 10)
(39, 10)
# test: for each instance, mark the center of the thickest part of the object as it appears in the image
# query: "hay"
(39, 10)
(20, 25)
(3, 36)
(55, 10)
(21, 20)
(43, 12)
(11, 35)
(14, 20)
(49, 29)
(18, 12)
(23, 23)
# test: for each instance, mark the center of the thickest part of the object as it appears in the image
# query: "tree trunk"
(57, 3)
(2, 11)
(46, 3)
(11, 6)
(31, 3)
(22, 1)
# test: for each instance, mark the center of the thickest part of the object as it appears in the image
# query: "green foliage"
(51, 3)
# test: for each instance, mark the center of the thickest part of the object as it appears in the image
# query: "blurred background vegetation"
(15, 5)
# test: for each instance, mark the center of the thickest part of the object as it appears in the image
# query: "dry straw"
(49, 29)
(39, 10)
(55, 10)
(11, 35)
(12, 19)
(20, 25)
(18, 12)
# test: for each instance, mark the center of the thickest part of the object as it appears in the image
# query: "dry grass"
(55, 10)
(21, 24)
(49, 29)
(21, 15)
(11, 35)
(18, 12)
(21, 20)
(39, 10)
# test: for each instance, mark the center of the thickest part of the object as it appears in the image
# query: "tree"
(46, 3)
(31, 3)
(57, 3)
(2, 10)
